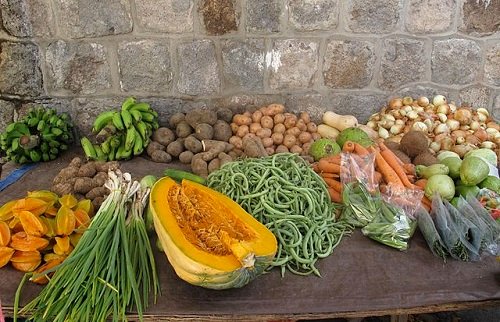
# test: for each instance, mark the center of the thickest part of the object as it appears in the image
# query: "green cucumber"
(179, 175)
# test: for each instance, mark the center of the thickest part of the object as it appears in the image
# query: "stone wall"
(350, 56)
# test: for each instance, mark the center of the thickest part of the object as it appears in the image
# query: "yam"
(97, 192)
(225, 114)
(87, 170)
(101, 166)
(204, 131)
(164, 136)
(183, 129)
(224, 158)
(213, 165)
(63, 188)
(83, 185)
(199, 166)
(193, 144)
(253, 148)
(161, 156)
(195, 117)
(175, 148)
(176, 119)
(154, 146)
(65, 174)
(186, 157)
(222, 131)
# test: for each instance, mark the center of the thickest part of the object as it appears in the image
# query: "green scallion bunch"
(111, 271)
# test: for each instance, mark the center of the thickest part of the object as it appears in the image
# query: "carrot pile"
(389, 170)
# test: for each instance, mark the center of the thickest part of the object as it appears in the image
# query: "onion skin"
(463, 115)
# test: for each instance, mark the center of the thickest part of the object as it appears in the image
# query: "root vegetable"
(87, 170)
(277, 138)
(96, 192)
(183, 129)
(154, 146)
(267, 142)
(267, 122)
(253, 147)
(301, 125)
(289, 140)
(222, 131)
(242, 131)
(75, 162)
(254, 127)
(100, 179)
(174, 149)
(279, 128)
(295, 131)
(62, 188)
(211, 144)
(296, 149)
(213, 165)
(270, 150)
(84, 185)
(273, 109)
(161, 156)
(199, 166)
(65, 174)
(164, 136)
(204, 131)
(281, 149)
(305, 117)
(306, 147)
(264, 133)
(236, 141)
(225, 114)
(97, 202)
(106, 166)
(316, 136)
(305, 137)
(176, 119)
(224, 158)
(290, 120)
(197, 116)
(234, 127)
(256, 116)
(212, 149)
(312, 127)
(240, 119)
(193, 144)
(279, 118)
(186, 157)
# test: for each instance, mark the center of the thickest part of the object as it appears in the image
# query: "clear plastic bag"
(391, 227)
(469, 233)
(405, 198)
(430, 233)
(489, 242)
(456, 245)
(360, 196)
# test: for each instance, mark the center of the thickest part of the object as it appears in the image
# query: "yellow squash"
(209, 239)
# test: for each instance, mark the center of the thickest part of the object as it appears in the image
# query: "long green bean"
(286, 195)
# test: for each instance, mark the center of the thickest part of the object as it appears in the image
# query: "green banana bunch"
(40, 136)
(123, 133)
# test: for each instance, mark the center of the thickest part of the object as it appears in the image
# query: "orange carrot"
(348, 147)
(329, 175)
(421, 183)
(409, 168)
(426, 203)
(325, 166)
(314, 166)
(392, 161)
(360, 150)
(333, 159)
(390, 176)
(335, 184)
(334, 195)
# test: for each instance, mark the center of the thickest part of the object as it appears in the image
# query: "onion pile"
(458, 129)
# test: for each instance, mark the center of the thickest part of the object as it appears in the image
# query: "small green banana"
(115, 141)
(111, 153)
(56, 131)
(44, 147)
(54, 151)
(41, 125)
(105, 146)
(53, 120)
(45, 156)
(15, 144)
(88, 148)
(127, 118)
(54, 144)
(148, 117)
(142, 129)
(136, 115)
(128, 103)
(102, 120)
(130, 138)
(35, 156)
(117, 121)
(101, 156)
(138, 145)
(142, 107)
(33, 121)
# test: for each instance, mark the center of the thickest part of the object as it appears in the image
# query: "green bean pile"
(286, 195)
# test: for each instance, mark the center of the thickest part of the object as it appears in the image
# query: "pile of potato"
(277, 131)
(198, 138)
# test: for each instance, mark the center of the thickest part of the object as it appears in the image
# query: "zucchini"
(179, 175)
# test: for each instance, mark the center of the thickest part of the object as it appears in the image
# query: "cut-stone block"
(243, 63)
(77, 67)
(348, 63)
(171, 16)
(492, 65)
(219, 16)
(198, 68)
(27, 18)
(292, 63)
(93, 18)
(430, 16)
(145, 66)
(308, 15)
(20, 72)
(455, 61)
(263, 15)
(374, 16)
(404, 61)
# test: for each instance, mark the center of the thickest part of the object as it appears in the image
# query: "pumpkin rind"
(203, 267)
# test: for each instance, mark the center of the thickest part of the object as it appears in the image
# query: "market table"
(361, 278)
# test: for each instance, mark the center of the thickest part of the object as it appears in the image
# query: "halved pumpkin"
(209, 239)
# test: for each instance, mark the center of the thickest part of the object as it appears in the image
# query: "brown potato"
(289, 140)
(305, 137)
(242, 131)
(277, 138)
(279, 118)
(264, 133)
(256, 116)
(254, 127)
(279, 128)
(267, 122)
